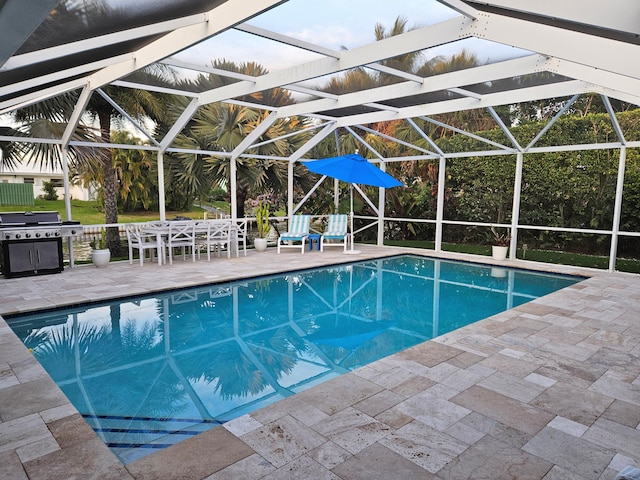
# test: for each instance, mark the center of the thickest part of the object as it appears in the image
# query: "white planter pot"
(260, 244)
(499, 253)
(101, 258)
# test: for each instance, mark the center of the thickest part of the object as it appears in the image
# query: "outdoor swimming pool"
(148, 372)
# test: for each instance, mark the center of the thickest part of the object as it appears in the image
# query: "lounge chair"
(298, 232)
(336, 231)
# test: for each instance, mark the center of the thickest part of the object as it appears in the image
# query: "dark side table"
(314, 237)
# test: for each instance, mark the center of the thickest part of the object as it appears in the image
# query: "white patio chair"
(182, 234)
(239, 235)
(336, 232)
(142, 241)
(298, 232)
(213, 234)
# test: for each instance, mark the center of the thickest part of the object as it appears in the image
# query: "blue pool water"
(148, 372)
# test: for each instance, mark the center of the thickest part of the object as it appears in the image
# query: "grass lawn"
(630, 265)
(90, 213)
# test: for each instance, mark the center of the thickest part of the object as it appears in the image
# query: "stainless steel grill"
(31, 242)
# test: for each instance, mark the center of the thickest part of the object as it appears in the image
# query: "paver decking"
(548, 390)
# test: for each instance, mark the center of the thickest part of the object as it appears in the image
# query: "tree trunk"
(109, 185)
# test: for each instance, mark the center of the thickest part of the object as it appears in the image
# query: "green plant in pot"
(263, 226)
(100, 254)
(500, 244)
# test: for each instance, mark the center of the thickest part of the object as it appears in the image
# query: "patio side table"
(314, 237)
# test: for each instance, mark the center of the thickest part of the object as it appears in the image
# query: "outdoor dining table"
(162, 231)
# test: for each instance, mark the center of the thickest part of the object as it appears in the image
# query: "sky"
(333, 24)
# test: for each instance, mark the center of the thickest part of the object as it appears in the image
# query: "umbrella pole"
(351, 251)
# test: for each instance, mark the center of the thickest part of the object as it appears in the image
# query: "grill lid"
(24, 219)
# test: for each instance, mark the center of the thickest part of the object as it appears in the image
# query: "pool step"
(125, 435)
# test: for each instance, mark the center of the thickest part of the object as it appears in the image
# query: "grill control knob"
(37, 235)
(18, 235)
(27, 235)
(47, 234)
(57, 234)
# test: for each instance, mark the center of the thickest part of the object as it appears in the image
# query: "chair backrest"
(338, 223)
(299, 224)
(182, 232)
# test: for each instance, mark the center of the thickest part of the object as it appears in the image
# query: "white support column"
(65, 173)
(233, 172)
(290, 189)
(617, 209)
(515, 211)
(161, 196)
(381, 201)
(442, 167)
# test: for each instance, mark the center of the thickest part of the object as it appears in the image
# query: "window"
(28, 180)
(57, 182)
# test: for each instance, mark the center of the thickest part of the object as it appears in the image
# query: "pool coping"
(44, 437)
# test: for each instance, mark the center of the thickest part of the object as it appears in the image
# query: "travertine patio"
(549, 390)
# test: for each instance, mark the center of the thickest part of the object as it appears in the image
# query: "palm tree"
(222, 127)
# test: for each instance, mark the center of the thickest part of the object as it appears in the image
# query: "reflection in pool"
(147, 372)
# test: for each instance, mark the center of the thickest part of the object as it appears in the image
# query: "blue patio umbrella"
(352, 168)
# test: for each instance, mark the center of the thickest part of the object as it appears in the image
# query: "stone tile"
(565, 425)
(283, 440)
(329, 455)
(462, 379)
(424, 446)
(195, 458)
(242, 425)
(620, 462)
(441, 372)
(303, 468)
(489, 459)
(573, 403)
(28, 369)
(74, 462)
(352, 430)
(31, 397)
(430, 353)
(464, 433)
(617, 385)
(433, 411)
(612, 435)
(378, 403)
(615, 360)
(37, 449)
(394, 418)
(339, 393)
(497, 430)
(253, 467)
(466, 359)
(512, 387)
(412, 386)
(541, 380)
(57, 413)
(575, 454)
(567, 350)
(511, 365)
(12, 466)
(7, 377)
(508, 411)
(71, 430)
(559, 473)
(392, 378)
(624, 413)
(378, 462)
(23, 431)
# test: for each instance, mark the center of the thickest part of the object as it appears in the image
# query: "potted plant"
(263, 226)
(100, 254)
(500, 244)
